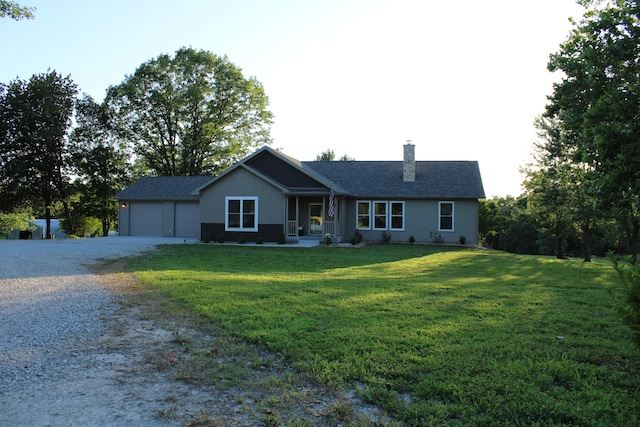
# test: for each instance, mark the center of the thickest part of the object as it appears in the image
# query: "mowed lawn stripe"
(434, 335)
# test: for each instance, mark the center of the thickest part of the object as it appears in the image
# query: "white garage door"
(187, 220)
(145, 219)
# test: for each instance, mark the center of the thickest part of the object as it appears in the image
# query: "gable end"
(283, 173)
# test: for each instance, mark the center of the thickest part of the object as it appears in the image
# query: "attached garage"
(161, 206)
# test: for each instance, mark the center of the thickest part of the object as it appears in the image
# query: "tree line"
(519, 225)
(582, 186)
(66, 155)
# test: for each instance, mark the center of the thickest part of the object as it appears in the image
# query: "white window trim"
(373, 214)
(391, 216)
(358, 202)
(388, 215)
(226, 213)
(453, 216)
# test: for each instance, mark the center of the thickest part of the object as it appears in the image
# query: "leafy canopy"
(35, 117)
(191, 114)
(598, 101)
(14, 11)
(100, 164)
(597, 104)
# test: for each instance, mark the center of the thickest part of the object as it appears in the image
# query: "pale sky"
(463, 80)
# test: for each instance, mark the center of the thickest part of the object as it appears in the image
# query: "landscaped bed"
(433, 335)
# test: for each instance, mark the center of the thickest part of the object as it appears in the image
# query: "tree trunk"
(634, 240)
(47, 216)
(559, 251)
(587, 237)
(632, 227)
(67, 215)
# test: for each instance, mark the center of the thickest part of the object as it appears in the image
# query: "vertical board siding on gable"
(271, 201)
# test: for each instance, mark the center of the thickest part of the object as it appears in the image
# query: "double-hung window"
(379, 215)
(241, 213)
(364, 215)
(445, 216)
(396, 214)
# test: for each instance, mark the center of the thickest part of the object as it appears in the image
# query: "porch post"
(286, 217)
(336, 216)
(324, 212)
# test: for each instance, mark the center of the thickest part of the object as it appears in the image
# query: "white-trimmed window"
(241, 213)
(445, 217)
(379, 215)
(396, 213)
(364, 215)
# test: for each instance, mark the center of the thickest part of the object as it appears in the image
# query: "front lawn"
(434, 335)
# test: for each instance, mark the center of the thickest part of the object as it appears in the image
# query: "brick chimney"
(409, 166)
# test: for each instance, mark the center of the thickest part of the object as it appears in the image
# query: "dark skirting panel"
(267, 232)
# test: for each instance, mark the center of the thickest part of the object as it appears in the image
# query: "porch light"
(124, 206)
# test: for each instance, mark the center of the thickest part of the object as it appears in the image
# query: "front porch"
(309, 218)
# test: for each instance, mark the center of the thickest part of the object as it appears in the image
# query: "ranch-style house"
(268, 195)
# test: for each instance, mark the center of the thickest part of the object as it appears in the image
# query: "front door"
(315, 219)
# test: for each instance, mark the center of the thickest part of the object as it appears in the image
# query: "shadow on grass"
(427, 332)
(231, 259)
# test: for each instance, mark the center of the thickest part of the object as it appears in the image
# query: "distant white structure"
(40, 230)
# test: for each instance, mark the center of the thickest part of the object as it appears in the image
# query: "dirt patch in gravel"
(173, 368)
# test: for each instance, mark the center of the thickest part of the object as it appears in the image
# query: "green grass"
(433, 335)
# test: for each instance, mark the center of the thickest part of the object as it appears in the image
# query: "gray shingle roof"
(370, 179)
(434, 179)
(164, 188)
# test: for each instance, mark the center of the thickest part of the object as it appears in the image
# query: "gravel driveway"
(53, 315)
(84, 349)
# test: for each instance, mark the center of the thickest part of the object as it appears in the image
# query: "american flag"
(332, 208)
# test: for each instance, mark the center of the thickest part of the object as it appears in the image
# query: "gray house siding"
(348, 218)
(124, 224)
(287, 193)
(242, 183)
(421, 221)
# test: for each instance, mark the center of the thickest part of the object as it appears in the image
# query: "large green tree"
(35, 116)
(99, 161)
(598, 105)
(191, 114)
(560, 188)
